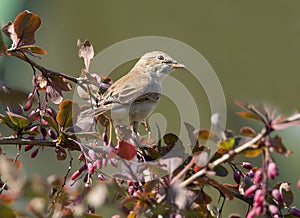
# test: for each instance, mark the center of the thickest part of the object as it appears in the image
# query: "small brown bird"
(133, 97)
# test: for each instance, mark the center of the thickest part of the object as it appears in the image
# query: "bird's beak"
(177, 65)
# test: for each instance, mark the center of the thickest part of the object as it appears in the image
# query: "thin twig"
(43, 70)
(224, 158)
(21, 141)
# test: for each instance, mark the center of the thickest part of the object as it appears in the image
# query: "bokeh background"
(253, 46)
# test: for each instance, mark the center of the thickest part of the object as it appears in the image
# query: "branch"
(44, 71)
(21, 141)
(224, 158)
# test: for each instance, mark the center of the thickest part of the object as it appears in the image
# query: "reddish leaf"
(202, 198)
(126, 151)
(249, 115)
(55, 86)
(9, 30)
(67, 114)
(276, 144)
(25, 25)
(6, 199)
(248, 131)
(23, 29)
(86, 51)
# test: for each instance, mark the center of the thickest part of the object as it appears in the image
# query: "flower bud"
(75, 174)
(272, 170)
(257, 176)
(52, 134)
(43, 131)
(92, 154)
(295, 212)
(101, 177)
(81, 156)
(28, 105)
(273, 209)
(90, 168)
(28, 147)
(83, 167)
(250, 190)
(247, 165)
(97, 164)
(298, 184)
(30, 96)
(33, 129)
(34, 153)
(277, 196)
(237, 177)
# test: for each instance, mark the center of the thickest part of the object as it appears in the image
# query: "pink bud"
(251, 214)
(33, 129)
(28, 105)
(90, 168)
(298, 184)
(83, 168)
(247, 165)
(259, 197)
(101, 177)
(80, 156)
(273, 209)
(34, 153)
(43, 131)
(250, 190)
(28, 147)
(45, 122)
(130, 190)
(104, 162)
(272, 170)
(92, 154)
(277, 196)
(114, 162)
(257, 176)
(49, 111)
(75, 174)
(97, 164)
(30, 96)
(295, 212)
(52, 134)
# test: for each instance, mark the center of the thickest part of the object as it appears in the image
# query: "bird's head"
(158, 63)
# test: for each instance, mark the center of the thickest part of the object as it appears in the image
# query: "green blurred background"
(253, 46)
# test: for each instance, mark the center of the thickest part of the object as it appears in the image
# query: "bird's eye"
(160, 57)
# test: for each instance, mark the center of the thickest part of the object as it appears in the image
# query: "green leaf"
(221, 171)
(67, 114)
(51, 122)
(227, 144)
(6, 212)
(19, 121)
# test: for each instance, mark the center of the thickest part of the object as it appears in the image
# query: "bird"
(132, 98)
